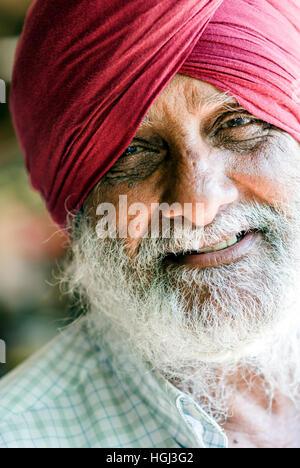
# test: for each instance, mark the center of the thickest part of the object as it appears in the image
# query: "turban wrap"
(87, 71)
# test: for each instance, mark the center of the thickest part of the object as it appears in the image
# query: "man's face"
(214, 290)
(199, 147)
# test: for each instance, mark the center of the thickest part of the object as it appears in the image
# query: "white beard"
(199, 327)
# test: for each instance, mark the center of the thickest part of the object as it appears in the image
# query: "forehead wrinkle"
(145, 122)
(199, 97)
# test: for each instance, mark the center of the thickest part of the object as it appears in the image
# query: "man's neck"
(254, 422)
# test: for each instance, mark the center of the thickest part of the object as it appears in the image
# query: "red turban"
(87, 71)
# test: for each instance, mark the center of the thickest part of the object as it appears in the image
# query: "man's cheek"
(269, 181)
(268, 190)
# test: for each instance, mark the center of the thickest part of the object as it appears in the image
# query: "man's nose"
(198, 189)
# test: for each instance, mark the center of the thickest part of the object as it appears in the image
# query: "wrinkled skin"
(197, 146)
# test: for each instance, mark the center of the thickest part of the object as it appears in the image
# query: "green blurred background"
(32, 309)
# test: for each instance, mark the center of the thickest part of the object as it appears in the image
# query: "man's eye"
(240, 127)
(237, 122)
(134, 149)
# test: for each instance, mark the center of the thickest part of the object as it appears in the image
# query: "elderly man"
(164, 136)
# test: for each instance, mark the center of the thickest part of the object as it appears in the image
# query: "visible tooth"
(233, 240)
(222, 245)
(207, 249)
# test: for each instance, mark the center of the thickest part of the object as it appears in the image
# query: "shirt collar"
(185, 420)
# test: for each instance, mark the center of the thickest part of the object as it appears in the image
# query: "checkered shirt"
(76, 394)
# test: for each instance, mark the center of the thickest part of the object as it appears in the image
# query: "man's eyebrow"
(217, 101)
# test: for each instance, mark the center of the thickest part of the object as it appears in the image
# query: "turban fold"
(87, 71)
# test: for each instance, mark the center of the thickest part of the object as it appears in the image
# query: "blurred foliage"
(32, 307)
(12, 14)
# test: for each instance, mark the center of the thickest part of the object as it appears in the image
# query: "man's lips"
(215, 256)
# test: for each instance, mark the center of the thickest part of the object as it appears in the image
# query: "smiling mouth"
(224, 252)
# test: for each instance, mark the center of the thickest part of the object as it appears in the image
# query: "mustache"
(234, 221)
